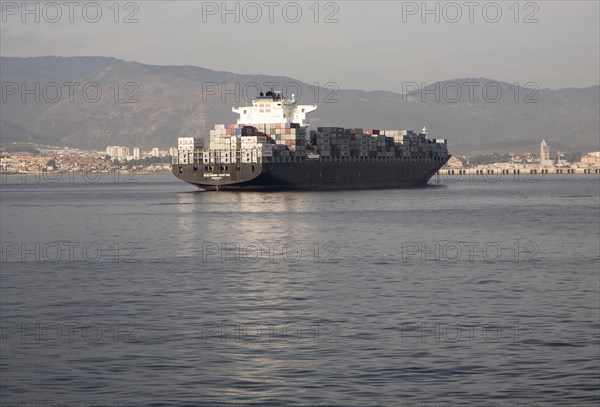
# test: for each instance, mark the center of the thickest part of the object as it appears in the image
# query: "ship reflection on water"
(245, 220)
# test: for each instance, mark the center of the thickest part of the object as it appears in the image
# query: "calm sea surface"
(471, 292)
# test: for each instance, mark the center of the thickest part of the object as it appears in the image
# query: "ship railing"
(278, 160)
(198, 160)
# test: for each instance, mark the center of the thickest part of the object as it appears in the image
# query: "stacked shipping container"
(263, 142)
(342, 143)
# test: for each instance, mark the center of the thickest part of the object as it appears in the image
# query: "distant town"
(545, 162)
(20, 158)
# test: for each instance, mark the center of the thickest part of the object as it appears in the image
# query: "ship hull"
(311, 175)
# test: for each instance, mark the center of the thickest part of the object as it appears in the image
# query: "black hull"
(310, 175)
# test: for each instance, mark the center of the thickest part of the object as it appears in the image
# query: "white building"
(545, 160)
(592, 158)
(137, 153)
(118, 152)
(155, 152)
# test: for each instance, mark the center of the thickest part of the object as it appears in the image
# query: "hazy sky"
(372, 45)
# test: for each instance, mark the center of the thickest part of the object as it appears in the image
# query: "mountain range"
(149, 105)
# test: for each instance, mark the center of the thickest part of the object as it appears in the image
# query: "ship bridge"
(273, 108)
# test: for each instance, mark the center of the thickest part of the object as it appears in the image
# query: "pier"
(515, 171)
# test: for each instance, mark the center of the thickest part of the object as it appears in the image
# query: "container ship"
(272, 148)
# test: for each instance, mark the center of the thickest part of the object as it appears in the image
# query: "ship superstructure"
(273, 108)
